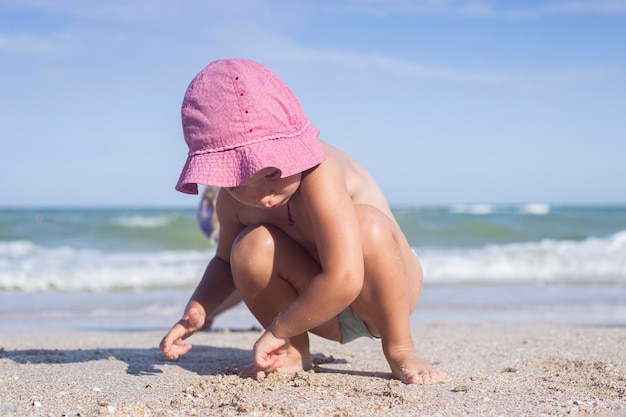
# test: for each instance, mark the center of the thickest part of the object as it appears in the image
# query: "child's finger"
(174, 346)
(175, 351)
(270, 363)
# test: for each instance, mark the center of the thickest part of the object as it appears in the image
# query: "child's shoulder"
(226, 205)
(344, 166)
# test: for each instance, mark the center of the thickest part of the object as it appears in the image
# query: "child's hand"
(173, 344)
(269, 353)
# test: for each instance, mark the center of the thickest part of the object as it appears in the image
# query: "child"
(306, 236)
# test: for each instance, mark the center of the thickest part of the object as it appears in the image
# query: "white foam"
(478, 209)
(593, 260)
(16, 248)
(28, 267)
(538, 209)
(142, 221)
(25, 266)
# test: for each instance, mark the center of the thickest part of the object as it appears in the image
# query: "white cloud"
(108, 10)
(33, 45)
(261, 40)
(373, 64)
(586, 6)
(155, 10)
(479, 8)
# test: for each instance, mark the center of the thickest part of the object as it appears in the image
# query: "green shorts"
(352, 327)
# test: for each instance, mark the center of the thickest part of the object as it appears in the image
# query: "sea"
(130, 269)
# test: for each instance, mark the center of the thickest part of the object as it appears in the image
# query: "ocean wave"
(591, 261)
(486, 209)
(25, 266)
(538, 209)
(478, 209)
(143, 221)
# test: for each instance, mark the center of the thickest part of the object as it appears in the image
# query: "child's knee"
(375, 227)
(252, 252)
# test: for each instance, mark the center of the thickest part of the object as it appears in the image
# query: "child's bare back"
(308, 242)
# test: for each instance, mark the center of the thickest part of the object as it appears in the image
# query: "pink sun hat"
(238, 118)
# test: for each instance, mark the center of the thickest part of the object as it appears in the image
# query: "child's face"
(266, 189)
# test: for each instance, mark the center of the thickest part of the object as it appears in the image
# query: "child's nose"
(265, 198)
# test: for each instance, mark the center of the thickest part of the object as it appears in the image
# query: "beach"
(523, 306)
(499, 370)
(496, 368)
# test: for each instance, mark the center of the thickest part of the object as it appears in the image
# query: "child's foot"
(410, 368)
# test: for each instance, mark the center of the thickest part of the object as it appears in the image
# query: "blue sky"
(443, 101)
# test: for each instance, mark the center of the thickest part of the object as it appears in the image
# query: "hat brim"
(233, 167)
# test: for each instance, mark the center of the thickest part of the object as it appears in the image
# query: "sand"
(499, 370)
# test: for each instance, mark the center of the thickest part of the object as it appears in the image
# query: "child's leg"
(391, 290)
(270, 270)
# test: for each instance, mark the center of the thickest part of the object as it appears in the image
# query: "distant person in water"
(207, 218)
(306, 236)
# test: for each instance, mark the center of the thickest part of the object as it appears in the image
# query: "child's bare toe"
(410, 368)
(425, 377)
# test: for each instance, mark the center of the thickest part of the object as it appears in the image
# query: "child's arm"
(214, 288)
(337, 238)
